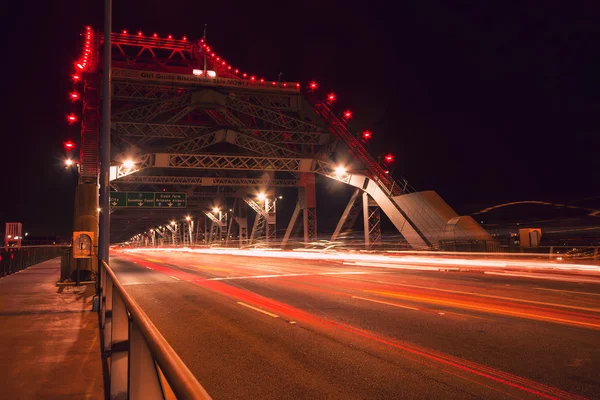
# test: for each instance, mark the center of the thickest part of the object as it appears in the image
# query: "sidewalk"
(49, 339)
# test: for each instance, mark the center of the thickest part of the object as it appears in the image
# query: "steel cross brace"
(142, 92)
(271, 116)
(149, 111)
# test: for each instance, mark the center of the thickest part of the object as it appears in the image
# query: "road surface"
(277, 328)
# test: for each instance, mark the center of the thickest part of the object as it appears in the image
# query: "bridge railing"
(142, 363)
(14, 259)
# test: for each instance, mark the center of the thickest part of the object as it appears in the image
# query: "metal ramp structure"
(186, 120)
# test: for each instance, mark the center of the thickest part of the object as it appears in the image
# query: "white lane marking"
(568, 291)
(385, 302)
(174, 277)
(546, 277)
(288, 275)
(258, 309)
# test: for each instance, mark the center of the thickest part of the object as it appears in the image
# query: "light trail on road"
(427, 319)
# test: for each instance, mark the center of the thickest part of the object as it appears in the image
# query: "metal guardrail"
(14, 259)
(142, 363)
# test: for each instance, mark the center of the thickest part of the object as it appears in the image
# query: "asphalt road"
(268, 328)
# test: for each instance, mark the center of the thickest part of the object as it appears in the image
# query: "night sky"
(484, 102)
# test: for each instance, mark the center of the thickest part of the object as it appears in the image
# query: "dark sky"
(484, 102)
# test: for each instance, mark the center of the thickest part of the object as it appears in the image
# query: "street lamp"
(340, 171)
(68, 162)
(216, 210)
(128, 164)
(261, 196)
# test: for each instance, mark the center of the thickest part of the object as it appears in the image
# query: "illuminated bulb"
(389, 158)
(216, 209)
(340, 171)
(244, 74)
(71, 118)
(313, 85)
(237, 71)
(261, 196)
(170, 37)
(367, 135)
(347, 114)
(128, 164)
(68, 162)
(184, 38)
(172, 223)
(74, 96)
(229, 67)
(140, 33)
(124, 31)
(155, 35)
(188, 218)
(331, 97)
(297, 85)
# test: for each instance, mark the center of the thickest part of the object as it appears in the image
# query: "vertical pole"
(104, 236)
(365, 201)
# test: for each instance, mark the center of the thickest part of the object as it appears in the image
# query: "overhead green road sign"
(170, 200)
(140, 199)
(118, 199)
(148, 200)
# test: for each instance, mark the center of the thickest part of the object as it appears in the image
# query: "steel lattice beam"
(206, 181)
(133, 91)
(271, 116)
(149, 111)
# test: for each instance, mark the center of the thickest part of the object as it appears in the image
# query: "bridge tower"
(186, 120)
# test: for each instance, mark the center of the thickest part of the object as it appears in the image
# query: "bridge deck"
(49, 337)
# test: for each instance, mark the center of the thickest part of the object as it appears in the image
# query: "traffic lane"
(577, 294)
(554, 354)
(238, 352)
(374, 320)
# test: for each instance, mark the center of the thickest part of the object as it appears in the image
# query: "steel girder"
(180, 131)
(271, 116)
(138, 91)
(241, 140)
(229, 162)
(349, 215)
(168, 131)
(142, 92)
(207, 181)
(149, 111)
(372, 221)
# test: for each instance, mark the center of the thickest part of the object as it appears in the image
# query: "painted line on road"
(174, 277)
(568, 291)
(258, 309)
(385, 302)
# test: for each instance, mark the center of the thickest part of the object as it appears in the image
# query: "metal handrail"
(138, 372)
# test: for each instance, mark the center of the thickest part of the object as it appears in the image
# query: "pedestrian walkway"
(49, 340)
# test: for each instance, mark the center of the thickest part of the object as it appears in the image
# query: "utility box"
(530, 237)
(83, 244)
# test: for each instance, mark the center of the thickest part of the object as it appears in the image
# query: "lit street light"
(340, 171)
(128, 164)
(261, 196)
(68, 162)
(216, 209)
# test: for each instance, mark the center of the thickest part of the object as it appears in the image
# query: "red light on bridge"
(223, 63)
(253, 78)
(74, 96)
(76, 78)
(218, 58)
(386, 171)
(185, 38)
(79, 66)
(170, 37)
(229, 67)
(347, 114)
(331, 97)
(245, 75)
(140, 33)
(367, 135)
(124, 31)
(313, 85)
(284, 84)
(237, 71)
(155, 35)
(262, 80)
(69, 145)
(297, 85)
(71, 118)
(274, 83)
(389, 158)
